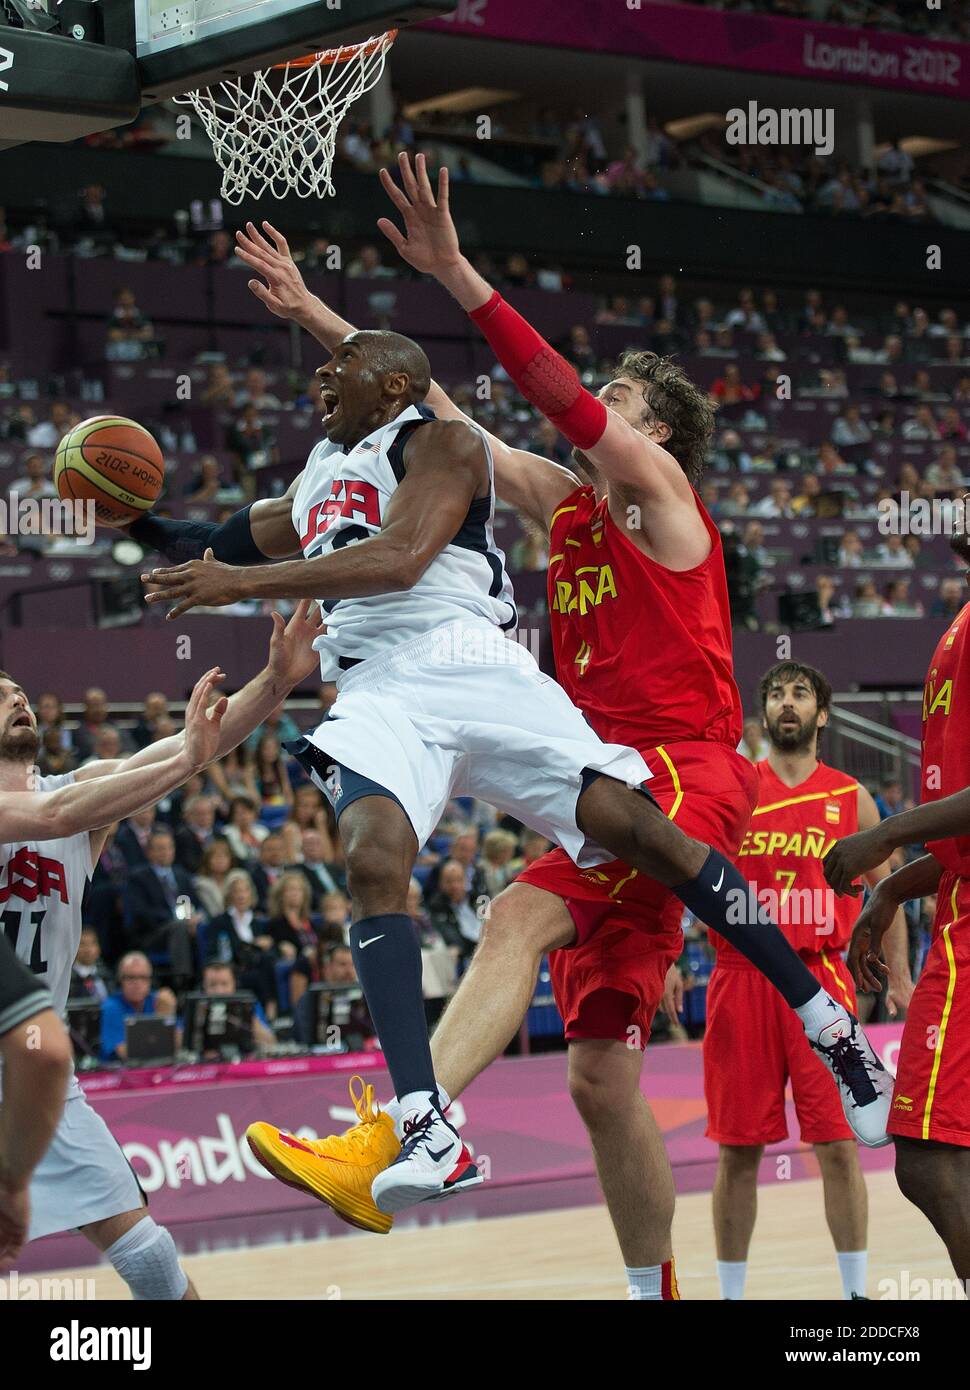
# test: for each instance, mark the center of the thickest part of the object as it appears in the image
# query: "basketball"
(112, 462)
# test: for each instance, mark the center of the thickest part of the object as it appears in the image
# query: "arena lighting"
(465, 99)
(918, 145)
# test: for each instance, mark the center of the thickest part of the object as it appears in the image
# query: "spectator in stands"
(131, 336)
(895, 164)
(754, 541)
(220, 392)
(729, 389)
(49, 433)
(295, 930)
(107, 745)
(746, 316)
(805, 501)
(897, 602)
(90, 978)
(50, 716)
(91, 219)
(892, 551)
(311, 813)
(54, 759)
(244, 832)
(944, 474)
(851, 551)
(921, 426)
(866, 602)
(252, 441)
(155, 707)
(914, 549)
(367, 265)
(885, 425)
(961, 392)
(451, 911)
(310, 862)
(272, 780)
(254, 392)
(890, 799)
(35, 484)
(754, 745)
(134, 835)
(219, 978)
(951, 426)
(163, 912)
(134, 999)
(731, 456)
(768, 349)
(270, 868)
(207, 485)
(240, 935)
(94, 716)
(277, 722)
(778, 502)
(738, 500)
(196, 832)
(335, 914)
(830, 605)
(949, 599)
(498, 849)
(850, 428)
(831, 464)
(212, 875)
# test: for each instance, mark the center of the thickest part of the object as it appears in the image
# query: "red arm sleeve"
(544, 377)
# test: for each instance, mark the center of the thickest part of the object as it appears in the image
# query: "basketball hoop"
(278, 135)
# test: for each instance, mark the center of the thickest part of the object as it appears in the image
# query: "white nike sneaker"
(866, 1087)
(433, 1162)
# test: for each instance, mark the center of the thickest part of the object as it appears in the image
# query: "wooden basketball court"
(570, 1255)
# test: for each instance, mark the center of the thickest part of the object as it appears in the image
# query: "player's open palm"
(268, 253)
(291, 654)
(429, 242)
(203, 721)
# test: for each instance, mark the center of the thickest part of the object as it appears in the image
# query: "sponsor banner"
(187, 1144)
(741, 42)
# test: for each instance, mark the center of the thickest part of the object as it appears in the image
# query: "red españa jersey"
(792, 829)
(946, 734)
(644, 651)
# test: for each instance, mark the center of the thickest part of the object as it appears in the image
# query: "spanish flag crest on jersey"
(833, 812)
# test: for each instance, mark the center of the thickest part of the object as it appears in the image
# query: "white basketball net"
(275, 131)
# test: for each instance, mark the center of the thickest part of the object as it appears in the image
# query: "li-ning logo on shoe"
(332, 785)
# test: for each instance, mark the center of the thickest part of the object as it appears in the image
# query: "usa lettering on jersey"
(29, 875)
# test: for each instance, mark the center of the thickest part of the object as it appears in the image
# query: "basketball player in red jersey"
(753, 1044)
(930, 1116)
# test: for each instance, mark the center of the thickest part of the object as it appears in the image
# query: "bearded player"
(930, 1116)
(52, 832)
(752, 1043)
(539, 488)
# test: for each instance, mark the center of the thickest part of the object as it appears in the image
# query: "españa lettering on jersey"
(792, 829)
(946, 734)
(644, 651)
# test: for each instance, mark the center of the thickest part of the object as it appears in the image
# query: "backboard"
(182, 44)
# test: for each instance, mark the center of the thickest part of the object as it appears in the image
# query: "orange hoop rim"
(331, 56)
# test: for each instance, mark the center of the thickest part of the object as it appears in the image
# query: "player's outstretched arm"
(90, 805)
(857, 854)
(445, 471)
(291, 659)
(528, 482)
(262, 531)
(545, 378)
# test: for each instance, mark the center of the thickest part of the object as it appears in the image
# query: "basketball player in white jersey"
(393, 514)
(52, 831)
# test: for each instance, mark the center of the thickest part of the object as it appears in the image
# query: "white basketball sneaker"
(433, 1162)
(866, 1087)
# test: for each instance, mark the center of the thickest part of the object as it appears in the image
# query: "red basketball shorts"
(609, 984)
(754, 1044)
(932, 1095)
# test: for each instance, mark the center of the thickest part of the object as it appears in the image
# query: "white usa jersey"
(343, 497)
(41, 886)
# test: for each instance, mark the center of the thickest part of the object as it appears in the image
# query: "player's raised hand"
(852, 857)
(205, 583)
(291, 654)
(268, 253)
(429, 242)
(203, 721)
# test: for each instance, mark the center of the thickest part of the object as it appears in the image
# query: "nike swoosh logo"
(440, 1153)
(372, 939)
(717, 886)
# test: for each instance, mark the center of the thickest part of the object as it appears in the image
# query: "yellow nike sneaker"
(337, 1170)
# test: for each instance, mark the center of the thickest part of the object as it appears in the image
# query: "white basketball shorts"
(464, 711)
